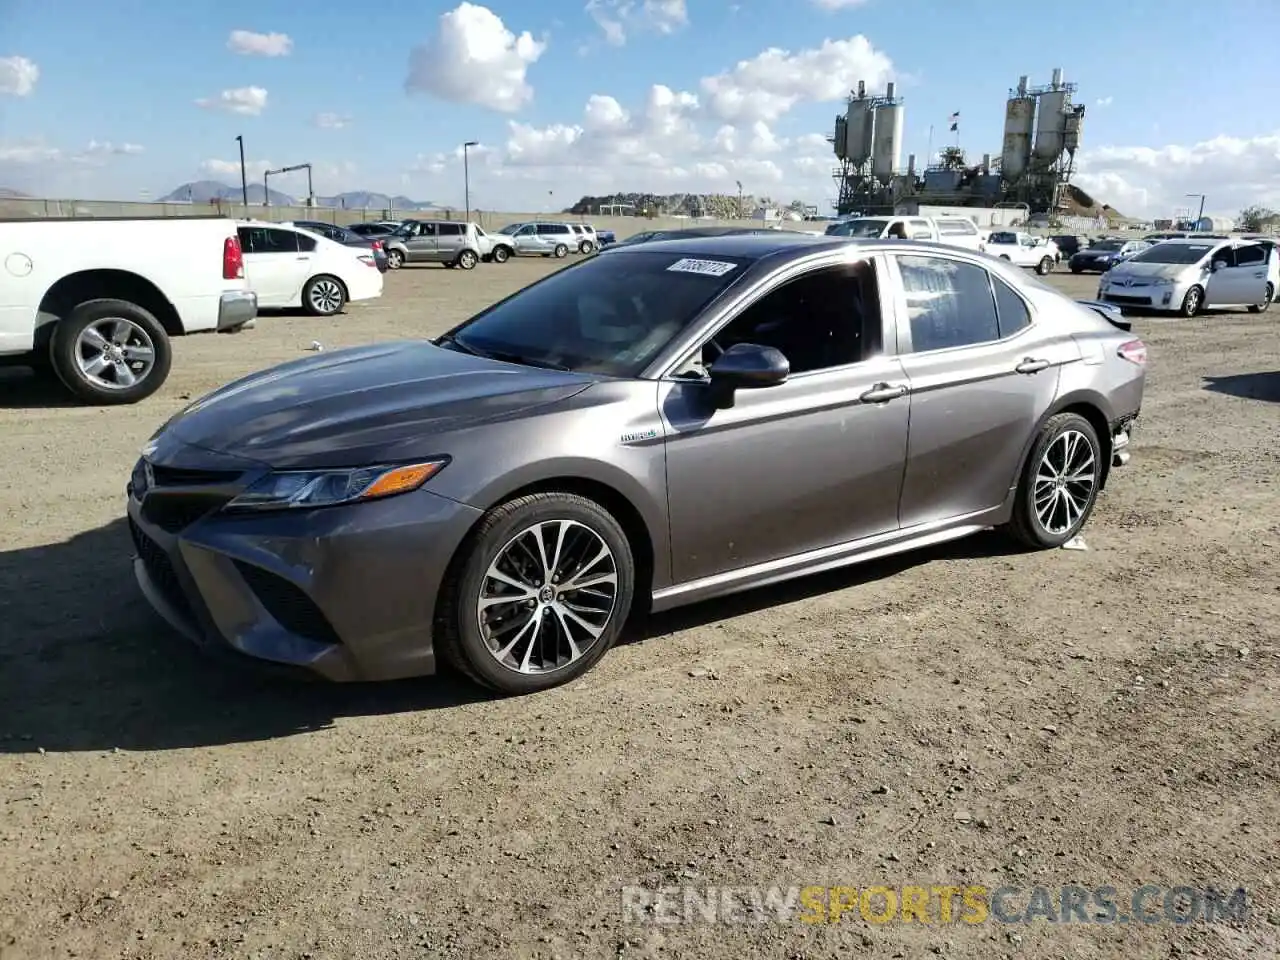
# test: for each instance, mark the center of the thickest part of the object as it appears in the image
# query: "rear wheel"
(323, 296)
(110, 352)
(561, 251)
(467, 259)
(1044, 266)
(1059, 483)
(586, 246)
(1266, 302)
(1192, 302)
(538, 595)
(395, 259)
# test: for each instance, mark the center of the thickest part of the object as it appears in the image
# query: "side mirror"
(1218, 265)
(746, 366)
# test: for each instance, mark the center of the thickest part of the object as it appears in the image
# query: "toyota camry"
(669, 423)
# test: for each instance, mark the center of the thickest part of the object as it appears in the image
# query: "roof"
(751, 246)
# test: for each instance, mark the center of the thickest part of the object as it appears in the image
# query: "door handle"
(883, 393)
(1031, 365)
(304, 258)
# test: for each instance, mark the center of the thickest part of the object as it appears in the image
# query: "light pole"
(244, 180)
(739, 183)
(466, 176)
(1200, 215)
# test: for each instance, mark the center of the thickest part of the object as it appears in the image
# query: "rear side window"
(450, 229)
(268, 240)
(1251, 255)
(553, 228)
(1012, 314)
(305, 244)
(949, 303)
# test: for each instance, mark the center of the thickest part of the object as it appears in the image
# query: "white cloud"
(1233, 173)
(771, 83)
(107, 148)
(18, 76)
(254, 169)
(838, 4)
(616, 17)
(473, 58)
(247, 101)
(252, 44)
(331, 121)
(1105, 101)
(36, 151)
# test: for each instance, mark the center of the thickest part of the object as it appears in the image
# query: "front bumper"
(342, 593)
(236, 308)
(1144, 294)
(1089, 264)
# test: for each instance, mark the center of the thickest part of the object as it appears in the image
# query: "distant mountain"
(208, 191)
(8, 194)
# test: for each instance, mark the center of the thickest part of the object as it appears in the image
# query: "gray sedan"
(665, 424)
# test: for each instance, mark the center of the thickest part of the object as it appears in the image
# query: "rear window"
(1003, 237)
(610, 315)
(450, 229)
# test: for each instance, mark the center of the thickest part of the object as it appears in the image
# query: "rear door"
(1252, 268)
(271, 263)
(448, 241)
(421, 243)
(982, 373)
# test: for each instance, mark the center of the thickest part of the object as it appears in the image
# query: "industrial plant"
(1035, 164)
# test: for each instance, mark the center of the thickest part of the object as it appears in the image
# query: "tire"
(71, 352)
(585, 247)
(1044, 266)
(1005, 256)
(561, 251)
(1060, 434)
(501, 254)
(324, 296)
(395, 259)
(1076, 270)
(460, 634)
(467, 260)
(1192, 302)
(1262, 307)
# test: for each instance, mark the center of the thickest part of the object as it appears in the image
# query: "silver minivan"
(1189, 275)
(542, 238)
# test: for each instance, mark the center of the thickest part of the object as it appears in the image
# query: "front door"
(526, 240)
(810, 463)
(421, 243)
(982, 373)
(271, 264)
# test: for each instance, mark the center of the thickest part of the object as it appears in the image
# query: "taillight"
(1135, 351)
(232, 259)
(377, 245)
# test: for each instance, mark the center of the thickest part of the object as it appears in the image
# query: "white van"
(953, 231)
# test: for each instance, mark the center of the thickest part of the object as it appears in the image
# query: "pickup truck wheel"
(1044, 266)
(323, 296)
(501, 254)
(111, 352)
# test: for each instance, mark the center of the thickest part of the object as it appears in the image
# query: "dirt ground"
(970, 715)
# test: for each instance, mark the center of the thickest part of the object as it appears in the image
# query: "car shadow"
(21, 388)
(1249, 386)
(85, 665)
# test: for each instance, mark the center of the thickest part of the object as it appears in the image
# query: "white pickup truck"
(96, 300)
(953, 231)
(1024, 250)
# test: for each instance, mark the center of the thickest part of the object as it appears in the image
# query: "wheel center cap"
(547, 595)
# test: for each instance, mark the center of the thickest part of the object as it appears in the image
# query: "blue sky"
(129, 72)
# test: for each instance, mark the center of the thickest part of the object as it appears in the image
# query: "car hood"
(1098, 254)
(1152, 271)
(379, 403)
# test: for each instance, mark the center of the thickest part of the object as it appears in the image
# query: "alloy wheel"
(115, 353)
(326, 296)
(1065, 482)
(547, 596)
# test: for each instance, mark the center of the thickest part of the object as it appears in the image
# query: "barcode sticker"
(708, 268)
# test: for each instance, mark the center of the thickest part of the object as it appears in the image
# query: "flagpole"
(928, 157)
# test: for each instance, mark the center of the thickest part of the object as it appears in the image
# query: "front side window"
(609, 315)
(949, 303)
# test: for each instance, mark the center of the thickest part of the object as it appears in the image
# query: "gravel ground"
(969, 715)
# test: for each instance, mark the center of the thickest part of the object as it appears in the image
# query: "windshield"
(1108, 246)
(857, 228)
(511, 228)
(609, 315)
(1173, 253)
(1003, 237)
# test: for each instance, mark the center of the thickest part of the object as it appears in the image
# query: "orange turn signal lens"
(403, 479)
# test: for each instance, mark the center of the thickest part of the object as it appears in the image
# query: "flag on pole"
(955, 122)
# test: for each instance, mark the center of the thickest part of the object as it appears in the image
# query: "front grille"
(173, 513)
(175, 477)
(174, 498)
(1127, 300)
(288, 604)
(159, 569)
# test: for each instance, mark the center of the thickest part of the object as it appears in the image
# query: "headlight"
(290, 489)
(1162, 282)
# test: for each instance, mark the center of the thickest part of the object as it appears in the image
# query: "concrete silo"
(886, 148)
(1051, 122)
(1019, 123)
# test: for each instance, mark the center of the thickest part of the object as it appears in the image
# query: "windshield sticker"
(708, 268)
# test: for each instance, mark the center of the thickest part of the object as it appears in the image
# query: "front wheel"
(538, 595)
(323, 296)
(110, 352)
(586, 247)
(1266, 301)
(501, 255)
(1044, 266)
(1192, 302)
(395, 259)
(561, 251)
(1059, 483)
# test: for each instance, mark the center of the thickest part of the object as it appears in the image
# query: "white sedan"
(292, 267)
(1024, 250)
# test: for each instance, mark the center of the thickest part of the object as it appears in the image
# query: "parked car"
(494, 247)
(1272, 246)
(1104, 254)
(375, 231)
(953, 231)
(1023, 250)
(1069, 244)
(499, 500)
(541, 238)
(606, 237)
(288, 267)
(450, 242)
(345, 237)
(94, 302)
(586, 236)
(1189, 276)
